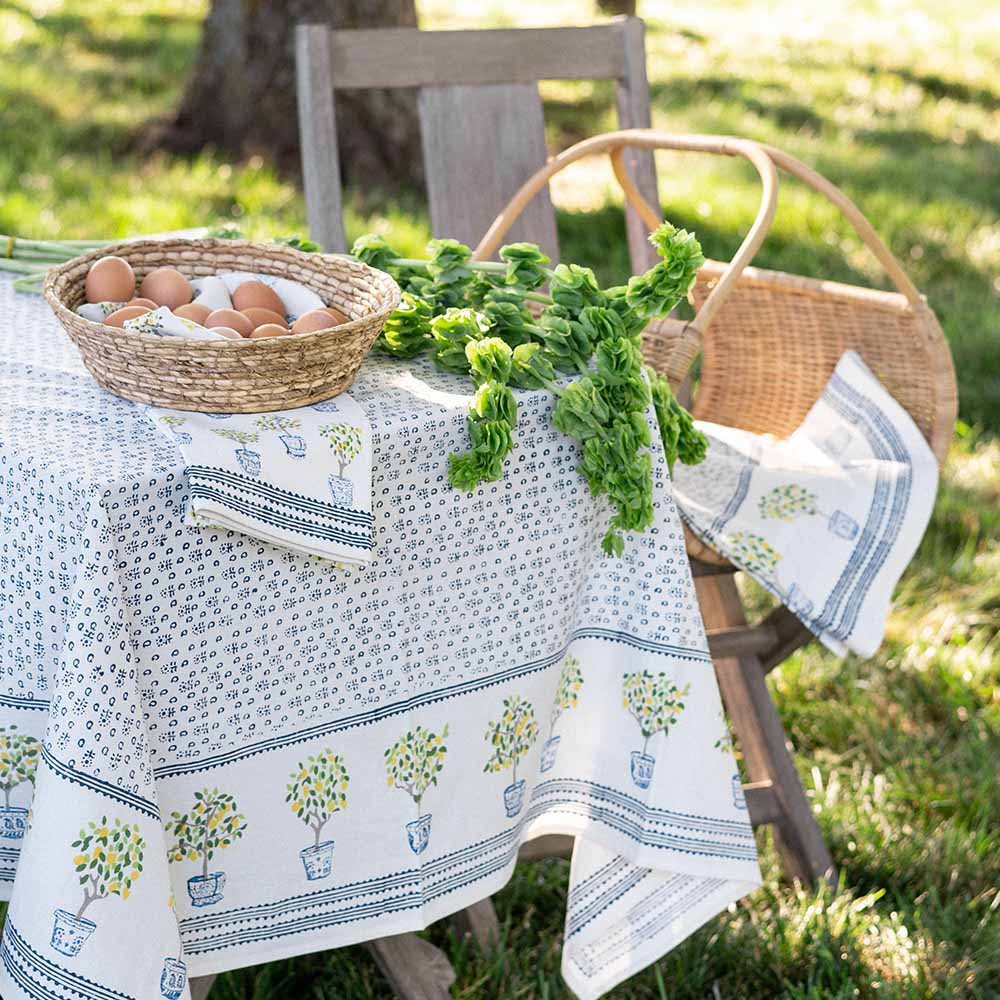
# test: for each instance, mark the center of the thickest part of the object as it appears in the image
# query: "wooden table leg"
(416, 970)
(762, 738)
(201, 986)
(478, 921)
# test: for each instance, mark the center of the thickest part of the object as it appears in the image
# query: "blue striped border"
(93, 784)
(378, 714)
(269, 491)
(276, 519)
(33, 704)
(28, 968)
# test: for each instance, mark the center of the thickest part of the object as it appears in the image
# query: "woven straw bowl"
(229, 376)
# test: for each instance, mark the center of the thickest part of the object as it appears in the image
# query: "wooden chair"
(480, 115)
(769, 342)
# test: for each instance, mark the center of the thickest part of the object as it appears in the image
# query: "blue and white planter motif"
(249, 461)
(220, 416)
(13, 822)
(70, 932)
(173, 979)
(342, 490)
(739, 799)
(205, 890)
(318, 860)
(418, 833)
(295, 444)
(327, 406)
(642, 768)
(181, 437)
(513, 798)
(843, 525)
(550, 748)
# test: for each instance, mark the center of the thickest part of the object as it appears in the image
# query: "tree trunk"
(241, 97)
(616, 6)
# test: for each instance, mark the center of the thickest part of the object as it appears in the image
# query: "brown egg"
(231, 318)
(316, 319)
(259, 316)
(338, 316)
(257, 295)
(148, 303)
(126, 312)
(226, 331)
(110, 279)
(194, 312)
(166, 286)
(269, 330)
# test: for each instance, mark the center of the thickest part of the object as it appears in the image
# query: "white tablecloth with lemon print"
(216, 752)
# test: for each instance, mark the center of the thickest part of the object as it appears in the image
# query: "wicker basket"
(246, 376)
(770, 341)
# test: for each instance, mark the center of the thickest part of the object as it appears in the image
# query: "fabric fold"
(299, 478)
(826, 519)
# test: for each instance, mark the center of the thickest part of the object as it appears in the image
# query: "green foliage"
(318, 789)
(108, 859)
(415, 760)
(657, 291)
(212, 824)
(653, 700)
(680, 438)
(512, 735)
(407, 331)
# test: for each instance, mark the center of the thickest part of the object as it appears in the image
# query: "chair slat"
(407, 57)
(480, 145)
(318, 136)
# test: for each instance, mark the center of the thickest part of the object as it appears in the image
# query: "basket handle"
(615, 144)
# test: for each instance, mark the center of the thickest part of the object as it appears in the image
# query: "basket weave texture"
(245, 376)
(774, 343)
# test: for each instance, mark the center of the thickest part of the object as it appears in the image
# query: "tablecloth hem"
(592, 988)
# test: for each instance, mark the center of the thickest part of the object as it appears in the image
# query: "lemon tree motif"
(172, 420)
(511, 738)
(567, 695)
(278, 424)
(413, 764)
(108, 860)
(567, 691)
(18, 760)
(654, 701)
(240, 437)
(345, 441)
(212, 824)
(753, 553)
(785, 502)
(415, 760)
(318, 789)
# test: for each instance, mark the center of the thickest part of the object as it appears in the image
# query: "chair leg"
(201, 987)
(762, 738)
(416, 970)
(479, 922)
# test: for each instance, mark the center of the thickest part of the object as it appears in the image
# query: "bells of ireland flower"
(408, 330)
(451, 331)
(525, 265)
(530, 368)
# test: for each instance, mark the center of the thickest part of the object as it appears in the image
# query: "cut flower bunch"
(472, 317)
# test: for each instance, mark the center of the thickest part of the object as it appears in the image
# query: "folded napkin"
(826, 519)
(296, 478)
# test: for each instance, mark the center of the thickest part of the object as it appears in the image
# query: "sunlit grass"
(899, 102)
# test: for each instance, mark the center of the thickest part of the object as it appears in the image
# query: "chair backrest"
(481, 121)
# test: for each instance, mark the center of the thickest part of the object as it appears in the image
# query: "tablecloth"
(239, 753)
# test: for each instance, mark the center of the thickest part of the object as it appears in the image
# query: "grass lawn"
(899, 103)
